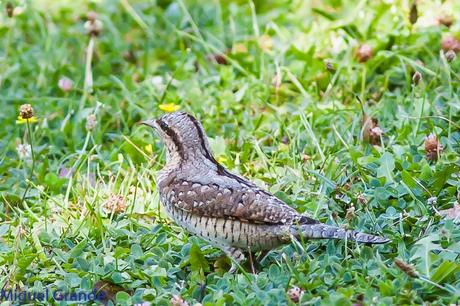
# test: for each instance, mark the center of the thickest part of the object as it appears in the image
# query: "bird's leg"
(236, 255)
(251, 262)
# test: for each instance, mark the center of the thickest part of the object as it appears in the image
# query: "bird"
(227, 210)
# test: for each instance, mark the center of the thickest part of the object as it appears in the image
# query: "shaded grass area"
(281, 91)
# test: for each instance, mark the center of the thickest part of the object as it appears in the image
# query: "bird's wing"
(245, 203)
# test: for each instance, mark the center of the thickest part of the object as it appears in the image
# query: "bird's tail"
(323, 231)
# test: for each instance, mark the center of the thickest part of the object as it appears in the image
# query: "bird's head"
(182, 134)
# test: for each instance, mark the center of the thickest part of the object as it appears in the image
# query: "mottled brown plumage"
(226, 209)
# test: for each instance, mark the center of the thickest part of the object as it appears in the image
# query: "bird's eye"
(162, 124)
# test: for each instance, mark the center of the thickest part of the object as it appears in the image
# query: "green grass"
(301, 139)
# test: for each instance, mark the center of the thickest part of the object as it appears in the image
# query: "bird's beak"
(151, 122)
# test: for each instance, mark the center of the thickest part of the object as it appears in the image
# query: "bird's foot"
(251, 263)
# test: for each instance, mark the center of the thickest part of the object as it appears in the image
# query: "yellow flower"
(148, 148)
(22, 120)
(169, 107)
(222, 159)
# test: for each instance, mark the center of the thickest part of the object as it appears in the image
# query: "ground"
(327, 104)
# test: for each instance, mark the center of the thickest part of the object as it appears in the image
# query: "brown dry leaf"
(115, 203)
(433, 148)
(364, 53)
(451, 213)
(406, 267)
(371, 131)
(218, 58)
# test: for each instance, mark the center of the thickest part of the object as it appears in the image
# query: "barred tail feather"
(323, 231)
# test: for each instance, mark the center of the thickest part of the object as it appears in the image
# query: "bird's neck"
(188, 156)
(190, 151)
